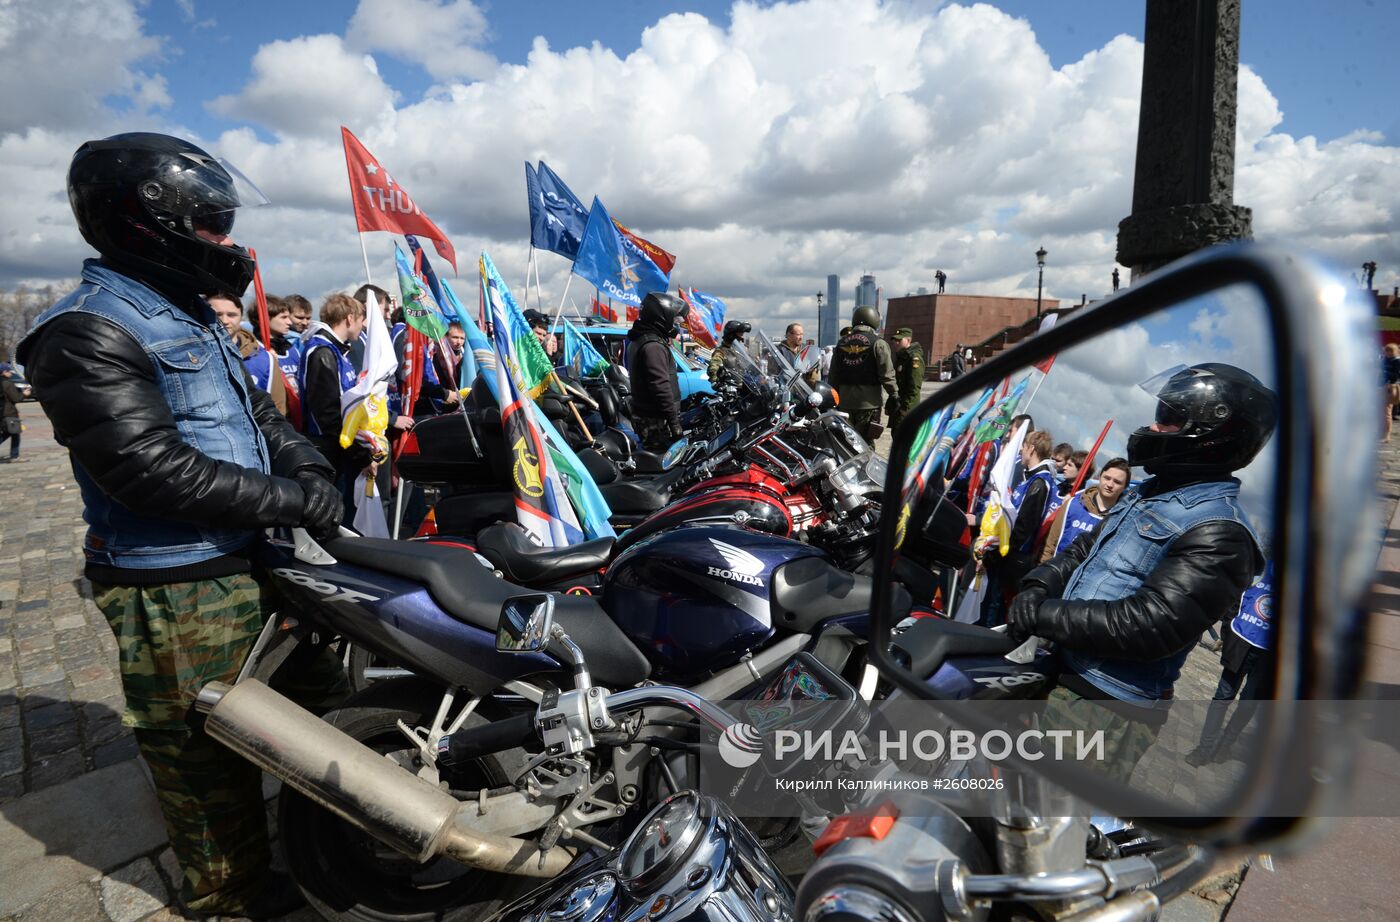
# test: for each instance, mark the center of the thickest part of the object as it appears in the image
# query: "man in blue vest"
(1126, 603)
(326, 372)
(1030, 499)
(181, 463)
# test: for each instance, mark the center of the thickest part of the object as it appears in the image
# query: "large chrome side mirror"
(526, 622)
(1133, 657)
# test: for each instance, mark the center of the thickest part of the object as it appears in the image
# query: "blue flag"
(577, 349)
(557, 217)
(614, 264)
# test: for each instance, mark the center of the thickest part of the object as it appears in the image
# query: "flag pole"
(539, 294)
(529, 262)
(560, 312)
(364, 253)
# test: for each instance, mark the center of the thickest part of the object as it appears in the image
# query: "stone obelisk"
(1184, 181)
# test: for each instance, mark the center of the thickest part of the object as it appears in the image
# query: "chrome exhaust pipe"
(354, 782)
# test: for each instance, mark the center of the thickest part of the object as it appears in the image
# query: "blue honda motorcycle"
(713, 610)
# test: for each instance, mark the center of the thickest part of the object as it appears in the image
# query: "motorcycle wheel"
(347, 874)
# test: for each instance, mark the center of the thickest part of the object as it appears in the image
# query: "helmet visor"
(1170, 388)
(208, 193)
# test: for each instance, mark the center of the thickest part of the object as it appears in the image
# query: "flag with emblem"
(557, 217)
(420, 308)
(527, 360)
(614, 264)
(541, 506)
(381, 204)
(589, 509)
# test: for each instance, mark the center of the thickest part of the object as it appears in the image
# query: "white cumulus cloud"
(798, 140)
(445, 38)
(309, 86)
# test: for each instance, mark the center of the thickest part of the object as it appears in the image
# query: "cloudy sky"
(765, 144)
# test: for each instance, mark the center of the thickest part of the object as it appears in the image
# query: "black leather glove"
(1021, 619)
(675, 429)
(325, 507)
(891, 406)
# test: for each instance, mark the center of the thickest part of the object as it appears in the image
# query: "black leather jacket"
(656, 391)
(1199, 580)
(98, 387)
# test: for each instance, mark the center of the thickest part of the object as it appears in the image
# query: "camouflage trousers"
(861, 419)
(171, 641)
(1126, 740)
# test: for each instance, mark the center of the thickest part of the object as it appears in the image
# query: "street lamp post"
(1040, 255)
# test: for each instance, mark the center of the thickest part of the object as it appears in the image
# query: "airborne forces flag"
(542, 506)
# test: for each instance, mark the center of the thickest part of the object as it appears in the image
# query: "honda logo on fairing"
(743, 566)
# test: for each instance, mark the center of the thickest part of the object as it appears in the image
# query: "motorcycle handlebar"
(498, 736)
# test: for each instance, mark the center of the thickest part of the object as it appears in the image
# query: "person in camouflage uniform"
(908, 374)
(725, 365)
(181, 462)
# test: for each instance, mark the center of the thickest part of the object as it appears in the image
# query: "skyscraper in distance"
(866, 292)
(830, 320)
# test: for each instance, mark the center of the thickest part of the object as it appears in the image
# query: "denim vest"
(200, 374)
(1136, 534)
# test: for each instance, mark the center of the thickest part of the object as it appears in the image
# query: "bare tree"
(20, 307)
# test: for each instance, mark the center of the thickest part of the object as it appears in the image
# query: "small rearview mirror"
(525, 623)
(1160, 492)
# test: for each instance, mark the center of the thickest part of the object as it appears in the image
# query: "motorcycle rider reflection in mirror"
(656, 391)
(1126, 603)
(724, 364)
(862, 368)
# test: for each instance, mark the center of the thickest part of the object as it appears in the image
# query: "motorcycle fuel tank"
(696, 598)
(732, 503)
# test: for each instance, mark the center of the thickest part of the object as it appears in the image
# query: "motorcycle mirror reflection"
(526, 621)
(1175, 575)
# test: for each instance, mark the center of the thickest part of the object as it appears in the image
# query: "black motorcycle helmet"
(827, 394)
(660, 311)
(1220, 417)
(140, 200)
(866, 317)
(736, 329)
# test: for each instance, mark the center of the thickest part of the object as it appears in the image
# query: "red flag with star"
(381, 204)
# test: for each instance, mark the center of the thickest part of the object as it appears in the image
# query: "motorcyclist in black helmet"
(724, 363)
(1126, 603)
(656, 391)
(181, 462)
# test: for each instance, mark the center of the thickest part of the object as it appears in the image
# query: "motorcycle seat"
(808, 590)
(471, 593)
(641, 495)
(521, 561)
(930, 641)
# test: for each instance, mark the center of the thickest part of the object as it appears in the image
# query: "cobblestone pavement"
(80, 835)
